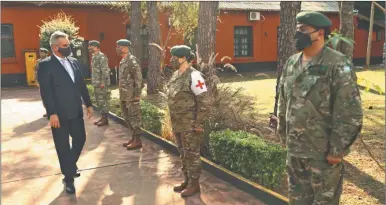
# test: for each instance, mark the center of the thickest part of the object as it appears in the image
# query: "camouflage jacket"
(130, 78)
(319, 107)
(100, 69)
(188, 107)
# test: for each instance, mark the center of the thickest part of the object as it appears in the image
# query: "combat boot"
(135, 144)
(182, 186)
(125, 144)
(97, 121)
(193, 187)
(104, 121)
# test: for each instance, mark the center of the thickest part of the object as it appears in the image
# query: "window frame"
(249, 36)
(379, 35)
(12, 38)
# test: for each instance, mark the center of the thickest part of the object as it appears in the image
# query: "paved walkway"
(110, 175)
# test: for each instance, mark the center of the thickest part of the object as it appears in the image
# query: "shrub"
(249, 156)
(63, 23)
(231, 109)
(91, 92)
(152, 117)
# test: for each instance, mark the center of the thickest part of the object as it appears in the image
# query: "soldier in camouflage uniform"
(100, 81)
(43, 53)
(320, 114)
(130, 84)
(188, 102)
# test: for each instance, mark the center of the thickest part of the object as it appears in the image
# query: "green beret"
(123, 42)
(43, 50)
(94, 43)
(314, 19)
(181, 51)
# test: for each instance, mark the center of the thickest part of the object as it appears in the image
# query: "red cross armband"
(198, 85)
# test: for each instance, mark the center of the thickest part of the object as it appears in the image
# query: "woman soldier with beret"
(189, 104)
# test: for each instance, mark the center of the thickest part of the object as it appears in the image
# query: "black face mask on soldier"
(65, 51)
(303, 40)
(175, 64)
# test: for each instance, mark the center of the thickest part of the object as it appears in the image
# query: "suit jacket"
(59, 93)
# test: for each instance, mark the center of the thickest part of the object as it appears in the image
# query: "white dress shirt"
(66, 64)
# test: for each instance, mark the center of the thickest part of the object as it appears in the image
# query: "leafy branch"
(336, 37)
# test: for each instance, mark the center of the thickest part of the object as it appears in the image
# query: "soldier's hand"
(137, 98)
(333, 159)
(102, 86)
(89, 112)
(54, 121)
(273, 120)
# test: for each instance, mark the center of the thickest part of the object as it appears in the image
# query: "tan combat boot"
(136, 144)
(104, 121)
(97, 121)
(193, 187)
(182, 186)
(125, 144)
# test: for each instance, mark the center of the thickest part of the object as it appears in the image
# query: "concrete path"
(110, 175)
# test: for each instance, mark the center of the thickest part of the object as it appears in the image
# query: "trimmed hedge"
(151, 115)
(249, 156)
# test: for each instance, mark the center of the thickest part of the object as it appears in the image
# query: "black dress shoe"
(69, 187)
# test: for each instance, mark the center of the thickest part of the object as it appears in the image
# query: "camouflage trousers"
(314, 182)
(102, 98)
(188, 144)
(131, 112)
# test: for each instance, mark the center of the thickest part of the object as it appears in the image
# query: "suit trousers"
(68, 156)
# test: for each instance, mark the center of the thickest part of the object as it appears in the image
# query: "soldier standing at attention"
(43, 53)
(189, 105)
(130, 84)
(100, 81)
(320, 114)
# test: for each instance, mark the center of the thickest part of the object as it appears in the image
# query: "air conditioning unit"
(254, 16)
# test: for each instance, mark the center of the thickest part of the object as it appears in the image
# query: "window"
(243, 43)
(379, 35)
(145, 40)
(7, 41)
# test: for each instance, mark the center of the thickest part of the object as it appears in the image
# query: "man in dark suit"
(62, 89)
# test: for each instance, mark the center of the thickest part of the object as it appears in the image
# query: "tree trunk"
(346, 26)
(154, 78)
(206, 40)
(207, 21)
(370, 37)
(286, 31)
(135, 30)
(206, 48)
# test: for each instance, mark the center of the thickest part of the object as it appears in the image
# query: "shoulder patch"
(198, 84)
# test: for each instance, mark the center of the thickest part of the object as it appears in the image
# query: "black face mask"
(65, 51)
(175, 64)
(302, 40)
